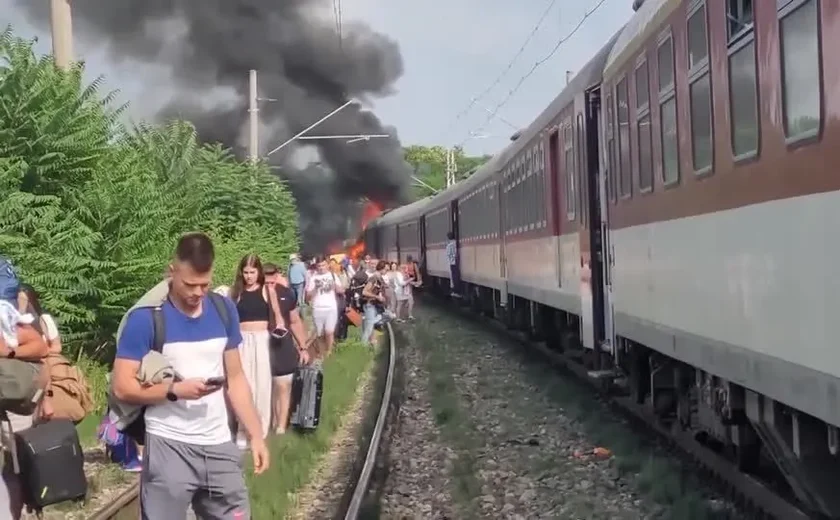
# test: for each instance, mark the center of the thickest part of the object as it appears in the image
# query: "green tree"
(90, 210)
(429, 163)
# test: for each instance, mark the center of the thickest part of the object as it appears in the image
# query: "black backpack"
(357, 285)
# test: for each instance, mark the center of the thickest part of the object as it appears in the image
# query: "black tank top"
(252, 306)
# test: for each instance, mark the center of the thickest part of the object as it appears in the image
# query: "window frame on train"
(667, 95)
(787, 11)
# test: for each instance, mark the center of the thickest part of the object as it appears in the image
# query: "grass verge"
(294, 456)
(452, 420)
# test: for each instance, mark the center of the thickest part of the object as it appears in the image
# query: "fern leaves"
(90, 210)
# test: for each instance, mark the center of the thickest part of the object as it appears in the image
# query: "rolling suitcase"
(51, 464)
(307, 388)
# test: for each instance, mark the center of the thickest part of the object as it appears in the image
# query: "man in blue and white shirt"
(190, 457)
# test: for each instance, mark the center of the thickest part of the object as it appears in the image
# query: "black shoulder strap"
(159, 334)
(219, 303)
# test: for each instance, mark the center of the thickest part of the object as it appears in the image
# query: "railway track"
(127, 505)
(755, 499)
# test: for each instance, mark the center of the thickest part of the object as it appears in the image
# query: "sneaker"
(411, 318)
(133, 466)
(399, 320)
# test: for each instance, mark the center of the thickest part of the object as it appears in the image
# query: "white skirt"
(256, 362)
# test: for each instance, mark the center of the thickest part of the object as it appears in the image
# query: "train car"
(402, 230)
(683, 185)
(479, 219)
(440, 219)
(721, 145)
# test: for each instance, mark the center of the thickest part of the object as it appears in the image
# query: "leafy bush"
(90, 210)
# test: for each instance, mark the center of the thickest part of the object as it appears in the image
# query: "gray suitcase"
(307, 388)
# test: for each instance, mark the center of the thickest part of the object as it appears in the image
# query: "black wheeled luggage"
(307, 388)
(51, 464)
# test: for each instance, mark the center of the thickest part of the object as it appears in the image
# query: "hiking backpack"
(68, 389)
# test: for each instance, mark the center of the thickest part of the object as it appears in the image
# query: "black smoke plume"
(294, 44)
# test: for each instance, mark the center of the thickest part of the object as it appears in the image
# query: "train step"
(601, 375)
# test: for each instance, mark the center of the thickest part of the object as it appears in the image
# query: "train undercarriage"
(763, 437)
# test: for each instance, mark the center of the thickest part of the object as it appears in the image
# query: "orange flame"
(370, 211)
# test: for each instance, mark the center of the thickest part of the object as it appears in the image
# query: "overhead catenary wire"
(536, 65)
(507, 68)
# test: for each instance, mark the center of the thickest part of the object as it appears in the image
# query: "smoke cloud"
(209, 45)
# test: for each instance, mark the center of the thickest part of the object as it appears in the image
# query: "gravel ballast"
(483, 434)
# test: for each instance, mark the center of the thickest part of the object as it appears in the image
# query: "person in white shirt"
(322, 290)
(452, 257)
(403, 293)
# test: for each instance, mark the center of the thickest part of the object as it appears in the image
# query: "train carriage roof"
(590, 75)
(403, 213)
(641, 27)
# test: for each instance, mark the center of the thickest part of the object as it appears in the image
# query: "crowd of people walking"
(203, 373)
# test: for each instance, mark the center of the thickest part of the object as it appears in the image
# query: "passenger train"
(669, 214)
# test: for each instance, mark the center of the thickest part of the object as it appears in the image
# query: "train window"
(698, 48)
(643, 130)
(700, 91)
(743, 89)
(739, 15)
(670, 145)
(611, 163)
(625, 187)
(665, 60)
(701, 123)
(668, 112)
(743, 98)
(645, 154)
(569, 147)
(799, 31)
(642, 87)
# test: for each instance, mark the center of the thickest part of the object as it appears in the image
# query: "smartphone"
(215, 381)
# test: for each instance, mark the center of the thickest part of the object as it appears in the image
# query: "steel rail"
(376, 437)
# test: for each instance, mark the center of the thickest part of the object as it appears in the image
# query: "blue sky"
(452, 51)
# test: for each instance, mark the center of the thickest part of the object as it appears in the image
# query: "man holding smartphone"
(190, 457)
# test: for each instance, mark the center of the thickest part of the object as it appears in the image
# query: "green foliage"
(429, 164)
(90, 210)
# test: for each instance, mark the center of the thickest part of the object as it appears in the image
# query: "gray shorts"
(176, 474)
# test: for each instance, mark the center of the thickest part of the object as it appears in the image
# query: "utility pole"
(451, 167)
(254, 119)
(62, 33)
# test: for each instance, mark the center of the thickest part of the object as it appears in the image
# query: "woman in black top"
(286, 352)
(259, 320)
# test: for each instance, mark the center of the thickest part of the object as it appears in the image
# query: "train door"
(422, 234)
(582, 173)
(555, 182)
(501, 194)
(597, 215)
(454, 227)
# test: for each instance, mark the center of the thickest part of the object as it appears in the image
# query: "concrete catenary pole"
(62, 32)
(254, 113)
